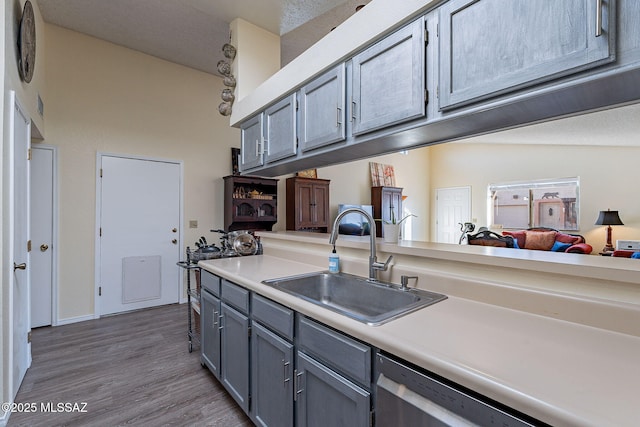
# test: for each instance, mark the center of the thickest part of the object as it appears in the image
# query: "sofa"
(549, 239)
(539, 238)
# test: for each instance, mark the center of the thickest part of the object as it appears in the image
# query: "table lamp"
(608, 218)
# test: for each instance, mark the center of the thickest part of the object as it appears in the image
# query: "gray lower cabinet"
(488, 47)
(210, 334)
(280, 139)
(322, 110)
(325, 398)
(388, 80)
(279, 374)
(251, 143)
(332, 371)
(234, 359)
(271, 378)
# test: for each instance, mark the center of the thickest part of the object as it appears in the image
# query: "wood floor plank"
(131, 369)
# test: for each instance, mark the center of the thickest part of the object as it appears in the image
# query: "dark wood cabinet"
(387, 205)
(250, 203)
(308, 204)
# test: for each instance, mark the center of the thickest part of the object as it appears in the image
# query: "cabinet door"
(271, 378)
(322, 111)
(489, 47)
(320, 205)
(210, 333)
(251, 143)
(304, 193)
(234, 363)
(325, 398)
(389, 80)
(280, 129)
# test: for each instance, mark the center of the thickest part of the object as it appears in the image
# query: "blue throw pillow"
(635, 255)
(515, 243)
(560, 247)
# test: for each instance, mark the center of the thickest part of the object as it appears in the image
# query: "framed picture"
(382, 175)
(309, 173)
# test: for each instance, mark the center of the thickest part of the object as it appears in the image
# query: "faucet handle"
(404, 281)
(381, 266)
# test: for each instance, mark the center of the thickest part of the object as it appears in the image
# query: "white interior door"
(42, 235)
(20, 354)
(453, 206)
(139, 233)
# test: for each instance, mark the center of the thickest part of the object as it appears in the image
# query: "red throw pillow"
(568, 238)
(520, 236)
(540, 240)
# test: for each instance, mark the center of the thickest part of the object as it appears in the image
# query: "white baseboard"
(70, 320)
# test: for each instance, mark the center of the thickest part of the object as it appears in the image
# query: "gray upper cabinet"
(489, 47)
(322, 110)
(388, 81)
(251, 143)
(280, 139)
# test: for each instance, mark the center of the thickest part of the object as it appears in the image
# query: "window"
(545, 203)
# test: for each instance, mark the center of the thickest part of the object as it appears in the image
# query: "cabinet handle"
(257, 147)
(598, 18)
(353, 110)
(284, 372)
(220, 319)
(296, 383)
(339, 118)
(215, 318)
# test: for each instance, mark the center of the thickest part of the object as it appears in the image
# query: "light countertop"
(560, 372)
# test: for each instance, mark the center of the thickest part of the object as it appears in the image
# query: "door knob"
(22, 266)
(174, 241)
(175, 230)
(44, 247)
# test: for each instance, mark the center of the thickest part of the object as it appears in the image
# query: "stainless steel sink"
(356, 297)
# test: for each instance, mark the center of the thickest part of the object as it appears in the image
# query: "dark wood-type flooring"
(129, 369)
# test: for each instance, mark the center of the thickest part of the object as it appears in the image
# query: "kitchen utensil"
(245, 244)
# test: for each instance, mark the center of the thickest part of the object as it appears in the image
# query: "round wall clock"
(27, 43)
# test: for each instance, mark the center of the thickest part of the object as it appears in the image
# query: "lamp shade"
(608, 218)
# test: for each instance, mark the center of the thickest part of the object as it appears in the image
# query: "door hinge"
(28, 337)
(426, 96)
(28, 245)
(426, 36)
(100, 172)
(249, 331)
(28, 153)
(372, 419)
(100, 232)
(99, 291)
(297, 105)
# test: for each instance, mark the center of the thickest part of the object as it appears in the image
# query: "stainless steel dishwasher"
(406, 397)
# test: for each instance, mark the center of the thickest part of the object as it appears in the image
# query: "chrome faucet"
(374, 265)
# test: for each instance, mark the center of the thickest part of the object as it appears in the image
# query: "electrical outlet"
(193, 223)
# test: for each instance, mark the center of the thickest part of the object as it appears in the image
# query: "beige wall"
(258, 56)
(351, 184)
(105, 98)
(601, 188)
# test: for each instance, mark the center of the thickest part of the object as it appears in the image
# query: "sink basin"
(373, 303)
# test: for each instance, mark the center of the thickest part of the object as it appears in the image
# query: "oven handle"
(425, 405)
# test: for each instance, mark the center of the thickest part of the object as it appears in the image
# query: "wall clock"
(27, 43)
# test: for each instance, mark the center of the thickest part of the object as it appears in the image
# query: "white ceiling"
(192, 32)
